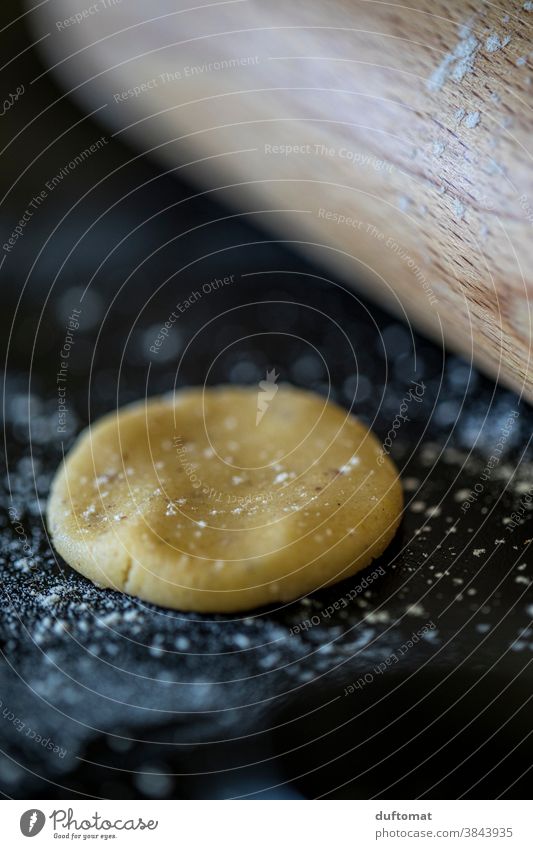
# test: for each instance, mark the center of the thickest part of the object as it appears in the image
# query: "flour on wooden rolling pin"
(410, 120)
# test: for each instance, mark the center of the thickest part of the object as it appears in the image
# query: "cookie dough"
(224, 499)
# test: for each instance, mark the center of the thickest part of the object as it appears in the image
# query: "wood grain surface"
(393, 142)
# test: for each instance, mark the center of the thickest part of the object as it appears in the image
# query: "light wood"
(434, 102)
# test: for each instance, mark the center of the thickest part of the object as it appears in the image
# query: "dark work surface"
(419, 686)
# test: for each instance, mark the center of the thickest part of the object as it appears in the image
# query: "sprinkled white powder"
(493, 43)
(472, 120)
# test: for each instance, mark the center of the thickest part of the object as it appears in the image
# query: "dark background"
(146, 702)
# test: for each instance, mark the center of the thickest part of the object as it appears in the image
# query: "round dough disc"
(223, 499)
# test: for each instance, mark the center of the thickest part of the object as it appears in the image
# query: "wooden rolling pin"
(397, 141)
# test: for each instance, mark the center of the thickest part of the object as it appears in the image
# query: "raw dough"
(186, 502)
